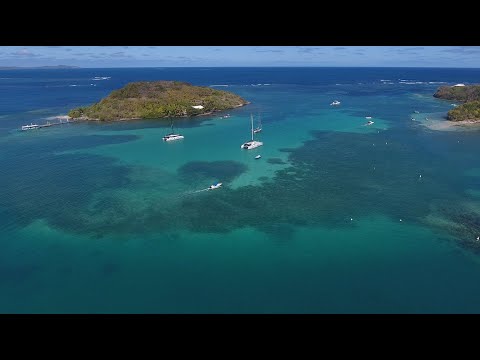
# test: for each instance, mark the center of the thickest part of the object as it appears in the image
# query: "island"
(158, 99)
(48, 67)
(468, 95)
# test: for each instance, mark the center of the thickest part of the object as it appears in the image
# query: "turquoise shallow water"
(336, 217)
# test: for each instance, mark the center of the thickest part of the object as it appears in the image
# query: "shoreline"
(449, 125)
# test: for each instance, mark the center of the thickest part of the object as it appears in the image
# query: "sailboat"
(259, 127)
(172, 136)
(252, 144)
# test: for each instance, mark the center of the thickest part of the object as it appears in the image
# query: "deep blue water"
(336, 217)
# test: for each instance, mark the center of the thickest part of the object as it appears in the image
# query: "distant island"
(469, 95)
(38, 67)
(158, 99)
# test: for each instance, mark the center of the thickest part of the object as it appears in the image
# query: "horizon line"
(73, 67)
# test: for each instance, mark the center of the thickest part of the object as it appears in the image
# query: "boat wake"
(197, 191)
(211, 187)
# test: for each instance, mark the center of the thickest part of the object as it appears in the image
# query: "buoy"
(351, 219)
(400, 219)
(420, 175)
(478, 238)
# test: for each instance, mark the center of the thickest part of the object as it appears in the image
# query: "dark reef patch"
(331, 178)
(224, 171)
(276, 161)
(43, 185)
(334, 177)
(466, 226)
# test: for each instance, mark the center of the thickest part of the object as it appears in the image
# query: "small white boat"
(417, 112)
(259, 127)
(368, 117)
(334, 103)
(215, 186)
(370, 122)
(30, 127)
(258, 156)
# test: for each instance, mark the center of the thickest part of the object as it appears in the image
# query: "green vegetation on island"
(469, 95)
(470, 111)
(158, 99)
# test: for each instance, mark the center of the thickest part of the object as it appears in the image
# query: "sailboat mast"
(251, 117)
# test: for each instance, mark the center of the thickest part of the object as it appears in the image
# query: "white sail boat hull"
(172, 137)
(251, 145)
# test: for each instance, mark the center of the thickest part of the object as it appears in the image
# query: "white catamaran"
(172, 136)
(252, 144)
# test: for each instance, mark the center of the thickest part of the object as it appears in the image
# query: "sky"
(212, 56)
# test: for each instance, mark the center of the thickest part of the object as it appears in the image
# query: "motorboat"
(258, 156)
(215, 186)
(334, 103)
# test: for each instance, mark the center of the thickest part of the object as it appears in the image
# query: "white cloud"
(23, 52)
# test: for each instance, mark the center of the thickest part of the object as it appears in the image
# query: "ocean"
(336, 216)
